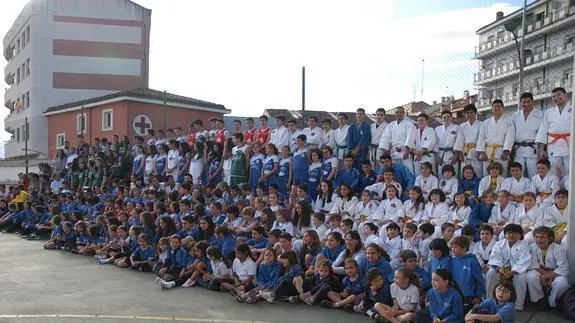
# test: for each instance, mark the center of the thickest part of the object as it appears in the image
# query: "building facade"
(128, 113)
(69, 50)
(549, 45)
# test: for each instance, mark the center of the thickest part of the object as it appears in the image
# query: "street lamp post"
(512, 26)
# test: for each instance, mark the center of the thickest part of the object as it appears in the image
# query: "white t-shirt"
(405, 297)
(219, 268)
(244, 269)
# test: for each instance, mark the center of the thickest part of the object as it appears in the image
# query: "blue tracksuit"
(354, 287)
(283, 175)
(468, 275)
(262, 243)
(227, 246)
(256, 165)
(479, 215)
(313, 180)
(347, 176)
(268, 166)
(300, 166)
(439, 263)
(145, 254)
(447, 306)
(506, 311)
(176, 260)
(424, 277)
(366, 180)
(359, 136)
(268, 275)
(333, 254)
(382, 265)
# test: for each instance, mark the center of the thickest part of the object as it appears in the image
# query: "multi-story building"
(60, 51)
(549, 45)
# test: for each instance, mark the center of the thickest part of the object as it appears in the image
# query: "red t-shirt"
(249, 136)
(263, 135)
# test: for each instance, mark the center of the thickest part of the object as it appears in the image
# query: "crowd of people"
(400, 222)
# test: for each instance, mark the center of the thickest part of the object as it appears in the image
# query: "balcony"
(9, 53)
(550, 56)
(540, 91)
(554, 20)
(8, 75)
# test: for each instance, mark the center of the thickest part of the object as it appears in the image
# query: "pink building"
(60, 51)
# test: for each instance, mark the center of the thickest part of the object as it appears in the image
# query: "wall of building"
(123, 115)
(174, 116)
(78, 49)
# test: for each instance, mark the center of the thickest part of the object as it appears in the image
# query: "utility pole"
(522, 48)
(26, 144)
(303, 88)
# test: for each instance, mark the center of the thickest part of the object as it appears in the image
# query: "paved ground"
(53, 286)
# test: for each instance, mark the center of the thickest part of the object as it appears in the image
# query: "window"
(18, 46)
(490, 38)
(540, 16)
(23, 71)
(27, 34)
(515, 89)
(60, 140)
(24, 39)
(27, 101)
(81, 123)
(28, 67)
(499, 92)
(18, 76)
(24, 133)
(23, 100)
(568, 75)
(107, 119)
(18, 134)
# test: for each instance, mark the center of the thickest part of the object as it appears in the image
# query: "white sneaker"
(268, 296)
(158, 279)
(167, 285)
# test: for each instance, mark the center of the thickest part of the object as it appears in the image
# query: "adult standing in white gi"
(422, 144)
(339, 137)
(447, 135)
(280, 135)
(555, 133)
(496, 138)
(394, 137)
(467, 141)
(527, 122)
(377, 128)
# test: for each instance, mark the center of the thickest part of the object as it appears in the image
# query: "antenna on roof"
(303, 88)
(422, 75)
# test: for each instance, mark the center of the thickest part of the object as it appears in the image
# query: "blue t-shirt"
(145, 254)
(506, 311)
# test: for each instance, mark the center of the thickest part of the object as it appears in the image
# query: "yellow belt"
(468, 147)
(493, 148)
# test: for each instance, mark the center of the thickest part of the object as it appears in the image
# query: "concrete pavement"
(55, 286)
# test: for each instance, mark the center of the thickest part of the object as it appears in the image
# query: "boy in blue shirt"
(347, 175)
(467, 272)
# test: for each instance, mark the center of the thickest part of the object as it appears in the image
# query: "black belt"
(526, 144)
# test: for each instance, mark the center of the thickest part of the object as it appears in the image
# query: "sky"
(248, 54)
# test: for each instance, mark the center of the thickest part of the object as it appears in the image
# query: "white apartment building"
(60, 51)
(549, 49)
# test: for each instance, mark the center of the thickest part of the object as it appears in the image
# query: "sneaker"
(356, 309)
(327, 304)
(103, 261)
(293, 299)
(157, 279)
(236, 295)
(99, 257)
(268, 296)
(32, 236)
(380, 319)
(309, 301)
